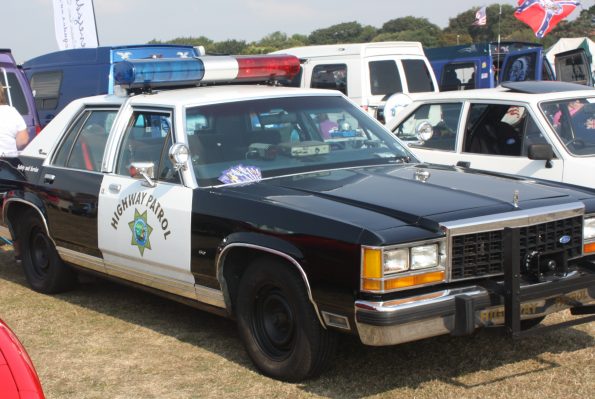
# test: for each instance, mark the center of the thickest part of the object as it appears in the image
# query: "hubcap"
(274, 323)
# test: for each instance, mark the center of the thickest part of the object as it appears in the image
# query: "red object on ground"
(18, 378)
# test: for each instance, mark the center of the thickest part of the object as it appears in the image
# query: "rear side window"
(332, 76)
(418, 76)
(14, 92)
(384, 78)
(520, 68)
(458, 76)
(46, 89)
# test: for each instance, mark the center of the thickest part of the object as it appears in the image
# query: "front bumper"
(461, 310)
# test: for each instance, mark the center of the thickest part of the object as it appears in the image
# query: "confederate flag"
(543, 15)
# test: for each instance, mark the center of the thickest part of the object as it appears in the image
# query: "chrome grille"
(481, 254)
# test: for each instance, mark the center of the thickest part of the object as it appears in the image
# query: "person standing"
(13, 129)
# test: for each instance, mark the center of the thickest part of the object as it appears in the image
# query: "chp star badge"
(141, 231)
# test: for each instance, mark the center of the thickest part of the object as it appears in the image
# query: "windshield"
(574, 122)
(248, 140)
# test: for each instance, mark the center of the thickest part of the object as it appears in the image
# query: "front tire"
(44, 270)
(278, 324)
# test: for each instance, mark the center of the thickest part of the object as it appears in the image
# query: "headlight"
(589, 229)
(424, 256)
(395, 268)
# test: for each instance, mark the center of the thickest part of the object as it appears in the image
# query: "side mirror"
(541, 152)
(178, 155)
(424, 131)
(143, 170)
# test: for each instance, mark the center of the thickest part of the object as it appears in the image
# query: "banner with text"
(74, 22)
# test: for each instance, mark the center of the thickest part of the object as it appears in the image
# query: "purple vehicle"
(18, 91)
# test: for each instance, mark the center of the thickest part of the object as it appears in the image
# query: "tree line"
(460, 30)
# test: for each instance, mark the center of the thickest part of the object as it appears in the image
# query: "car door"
(144, 223)
(72, 180)
(519, 66)
(573, 66)
(497, 137)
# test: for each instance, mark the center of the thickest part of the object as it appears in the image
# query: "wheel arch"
(15, 207)
(238, 250)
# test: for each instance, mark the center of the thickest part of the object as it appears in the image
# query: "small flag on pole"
(481, 17)
(543, 15)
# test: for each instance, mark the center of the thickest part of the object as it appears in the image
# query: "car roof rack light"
(146, 74)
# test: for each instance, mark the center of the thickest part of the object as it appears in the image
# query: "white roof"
(365, 49)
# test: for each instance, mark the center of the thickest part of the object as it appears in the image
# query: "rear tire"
(278, 323)
(44, 270)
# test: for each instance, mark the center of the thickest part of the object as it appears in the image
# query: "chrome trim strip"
(5, 233)
(32, 205)
(221, 258)
(522, 218)
(210, 295)
(183, 289)
(82, 260)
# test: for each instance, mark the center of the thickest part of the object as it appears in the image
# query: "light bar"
(152, 73)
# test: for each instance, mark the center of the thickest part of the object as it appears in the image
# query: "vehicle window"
(14, 91)
(330, 77)
(444, 120)
(247, 140)
(458, 76)
(571, 69)
(46, 89)
(573, 121)
(419, 78)
(147, 139)
(85, 141)
(495, 129)
(520, 68)
(384, 77)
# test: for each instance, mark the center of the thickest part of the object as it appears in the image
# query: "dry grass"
(108, 341)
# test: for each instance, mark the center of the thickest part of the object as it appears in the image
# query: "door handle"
(114, 188)
(48, 178)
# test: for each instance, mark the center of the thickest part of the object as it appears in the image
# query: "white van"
(368, 73)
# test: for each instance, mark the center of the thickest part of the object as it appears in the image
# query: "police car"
(234, 199)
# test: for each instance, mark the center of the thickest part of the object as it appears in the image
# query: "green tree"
(347, 32)
(229, 47)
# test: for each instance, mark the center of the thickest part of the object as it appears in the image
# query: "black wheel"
(530, 323)
(44, 269)
(278, 323)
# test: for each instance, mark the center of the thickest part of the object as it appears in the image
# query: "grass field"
(109, 341)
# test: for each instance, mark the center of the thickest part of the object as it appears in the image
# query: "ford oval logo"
(565, 239)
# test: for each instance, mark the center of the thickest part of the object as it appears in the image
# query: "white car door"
(144, 230)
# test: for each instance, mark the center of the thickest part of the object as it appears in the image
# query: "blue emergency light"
(158, 72)
(176, 72)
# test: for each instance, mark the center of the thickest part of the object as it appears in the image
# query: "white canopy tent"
(566, 44)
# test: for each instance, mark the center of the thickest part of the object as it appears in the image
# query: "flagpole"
(498, 53)
(95, 20)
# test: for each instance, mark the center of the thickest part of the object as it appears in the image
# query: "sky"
(28, 25)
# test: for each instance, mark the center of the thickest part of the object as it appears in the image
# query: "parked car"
(368, 73)
(18, 92)
(18, 378)
(291, 211)
(521, 128)
(58, 78)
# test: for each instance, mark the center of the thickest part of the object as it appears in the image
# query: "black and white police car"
(236, 200)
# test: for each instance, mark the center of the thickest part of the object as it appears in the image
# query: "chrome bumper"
(443, 312)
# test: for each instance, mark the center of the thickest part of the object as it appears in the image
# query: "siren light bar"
(154, 73)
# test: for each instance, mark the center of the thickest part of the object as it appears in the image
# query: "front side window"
(148, 138)
(247, 140)
(384, 77)
(332, 76)
(500, 129)
(573, 121)
(444, 121)
(419, 78)
(46, 89)
(84, 143)
(14, 91)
